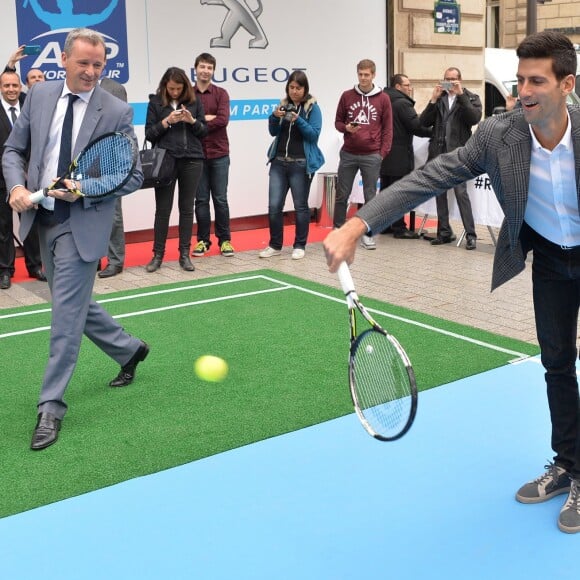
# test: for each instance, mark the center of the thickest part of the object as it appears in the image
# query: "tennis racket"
(103, 167)
(382, 381)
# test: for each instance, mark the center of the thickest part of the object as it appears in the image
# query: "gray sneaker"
(555, 481)
(368, 243)
(569, 519)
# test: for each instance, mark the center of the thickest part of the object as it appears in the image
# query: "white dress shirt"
(7, 106)
(53, 143)
(552, 208)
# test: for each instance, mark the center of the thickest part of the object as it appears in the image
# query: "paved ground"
(444, 281)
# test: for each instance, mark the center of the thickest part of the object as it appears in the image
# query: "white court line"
(520, 357)
(161, 309)
(145, 294)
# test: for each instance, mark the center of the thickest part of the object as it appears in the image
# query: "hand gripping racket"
(103, 167)
(382, 381)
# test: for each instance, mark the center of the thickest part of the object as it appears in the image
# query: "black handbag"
(158, 167)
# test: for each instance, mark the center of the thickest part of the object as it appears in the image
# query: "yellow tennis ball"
(211, 368)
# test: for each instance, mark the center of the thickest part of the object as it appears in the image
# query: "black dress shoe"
(127, 373)
(439, 240)
(45, 432)
(110, 271)
(185, 262)
(5, 281)
(38, 274)
(470, 244)
(406, 235)
(155, 263)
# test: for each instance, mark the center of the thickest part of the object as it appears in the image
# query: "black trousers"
(556, 292)
(7, 253)
(188, 176)
(386, 180)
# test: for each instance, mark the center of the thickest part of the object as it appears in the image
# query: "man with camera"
(365, 118)
(452, 112)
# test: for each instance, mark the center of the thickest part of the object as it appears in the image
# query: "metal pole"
(532, 17)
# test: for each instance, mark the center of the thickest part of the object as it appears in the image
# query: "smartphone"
(515, 91)
(353, 124)
(446, 85)
(31, 49)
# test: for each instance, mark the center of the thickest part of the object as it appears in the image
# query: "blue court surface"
(328, 502)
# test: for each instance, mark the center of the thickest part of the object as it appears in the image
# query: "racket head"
(382, 384)
(105, 165)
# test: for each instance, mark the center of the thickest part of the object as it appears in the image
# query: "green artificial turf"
(287, 350)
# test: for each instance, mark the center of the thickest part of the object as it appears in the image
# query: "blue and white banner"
(46, 23)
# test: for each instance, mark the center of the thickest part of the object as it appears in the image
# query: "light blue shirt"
(552, 208)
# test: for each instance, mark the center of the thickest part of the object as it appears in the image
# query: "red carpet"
(140, 253)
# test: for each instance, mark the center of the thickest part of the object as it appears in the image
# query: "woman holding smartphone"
(176, 122)
(294, 158)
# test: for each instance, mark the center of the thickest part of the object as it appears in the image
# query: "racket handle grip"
(37, 195)
(345, 278)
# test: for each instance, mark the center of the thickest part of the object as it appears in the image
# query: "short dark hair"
(9, 72)
(554, 45)
(299, 77)
(205, 57)
(177, 75)
(456, 70)
(398, 79)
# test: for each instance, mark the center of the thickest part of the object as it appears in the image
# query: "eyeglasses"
(406, 85)
(453, 79)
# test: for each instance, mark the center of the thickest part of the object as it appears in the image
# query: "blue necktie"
(62, 208)
(13, 115)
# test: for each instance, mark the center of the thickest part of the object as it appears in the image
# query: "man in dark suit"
(12, 99)
(532, 157)
(74, 230)
(401, 158)
(10, 88)
(452, 112)
(116, 250)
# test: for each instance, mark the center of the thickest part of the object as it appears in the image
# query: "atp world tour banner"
(257, 45)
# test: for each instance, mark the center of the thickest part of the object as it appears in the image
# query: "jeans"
(286, 175)
(370, 168)
(214, 180)
(556, 292)
(188, 175)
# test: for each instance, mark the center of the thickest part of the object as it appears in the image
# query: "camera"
(288, 109)
(446, 85)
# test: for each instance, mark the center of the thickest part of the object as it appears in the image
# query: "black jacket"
(182, 140)
(454, 133)
(401, 159)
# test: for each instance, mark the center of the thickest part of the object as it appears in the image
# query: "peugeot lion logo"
(239, 15)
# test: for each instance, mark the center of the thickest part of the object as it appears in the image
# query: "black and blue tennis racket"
(382, 381)
(102, 168)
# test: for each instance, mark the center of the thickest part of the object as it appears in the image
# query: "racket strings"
(381, 382)
(105, 165)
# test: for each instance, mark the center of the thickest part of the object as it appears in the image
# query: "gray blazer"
(115, 88)
(501, 147)
(24, 158)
